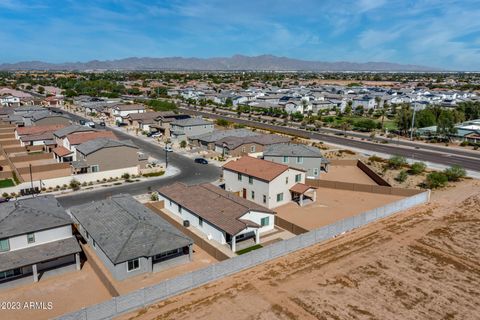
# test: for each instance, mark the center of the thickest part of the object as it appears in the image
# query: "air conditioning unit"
(186, 223)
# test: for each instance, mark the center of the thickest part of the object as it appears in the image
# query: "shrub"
(396, 162)
(436, 180)
(154, 196)
(417, 168)
(74, 184)
(183, 144)
(455, 173)
(375, 159)
(402, 176)
(4, 195)
(154, 174)
(126, 176)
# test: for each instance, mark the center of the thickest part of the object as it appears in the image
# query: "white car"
(168, 149)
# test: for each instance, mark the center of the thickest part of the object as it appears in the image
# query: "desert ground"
(419, 264)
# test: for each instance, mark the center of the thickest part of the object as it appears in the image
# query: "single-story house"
(129, 238)
(36, 237)
(241, 146)
(220, 215)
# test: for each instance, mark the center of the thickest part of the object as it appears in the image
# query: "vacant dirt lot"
(421, 264)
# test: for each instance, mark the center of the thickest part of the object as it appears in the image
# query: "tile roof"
(32, 214)
(61, 151)
(39, 129)
(125, 229)
(301, 188)
(215, 205)
(126, 107)
(91, 146)
(38, 253)
(81, 137)
(258, 168)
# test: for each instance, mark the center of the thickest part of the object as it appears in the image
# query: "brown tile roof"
(301, 188)
(258, 168)
(61, 151)
(126, 107)
(39, 129)
(217, 206)
(81, 137)
(144, 116)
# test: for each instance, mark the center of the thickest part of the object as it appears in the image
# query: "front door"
(244, 193)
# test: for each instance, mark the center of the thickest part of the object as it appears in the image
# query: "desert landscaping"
(419, 263)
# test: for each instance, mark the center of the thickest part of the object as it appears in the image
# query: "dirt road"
(421, 264)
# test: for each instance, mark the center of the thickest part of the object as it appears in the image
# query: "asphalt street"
(468, 160)
(190, 173)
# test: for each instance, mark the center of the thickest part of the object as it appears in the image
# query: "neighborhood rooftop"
(292, 149)
(78, 138)
(217, 206)
(100, 143)
(217, 135)
(125, 229)
(258, 168)
(62, 133)
(191, 122)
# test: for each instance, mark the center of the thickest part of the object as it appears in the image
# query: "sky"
(443, 34)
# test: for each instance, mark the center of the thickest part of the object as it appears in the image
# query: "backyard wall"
(185, 282)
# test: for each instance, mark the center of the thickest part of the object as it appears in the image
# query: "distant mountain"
(234, 63)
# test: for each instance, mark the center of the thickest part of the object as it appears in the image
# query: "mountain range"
(234, 63)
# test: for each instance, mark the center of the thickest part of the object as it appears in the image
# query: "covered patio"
(303, 194)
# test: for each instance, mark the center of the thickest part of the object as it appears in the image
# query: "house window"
(279, 197)
(200, 221)
(94, 168)
(264, 199)
(179, 209)
(239, 176)
(10, 273)
(170, 201)
(250, 180)
(298, 177)
(252, 148)
(30, 237)
(4, 245)
(315, 171)
(286, 180)
(133, 265)
(285, 159)
(265, 221)
(94, 243)
(244, 149)
(252, 194)
(299, 159)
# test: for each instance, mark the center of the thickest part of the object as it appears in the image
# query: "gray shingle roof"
(91, 146)
(29, 215)
(35, 254)
(62, 133)
(262, 139)
(43, 115)
(125, 229)
(292, 149)
(217, 206)
(191, 122)
(219, 134)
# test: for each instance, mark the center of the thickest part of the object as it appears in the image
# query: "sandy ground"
(67, 292)
(332, 205)
(346, 174)
(420, 264)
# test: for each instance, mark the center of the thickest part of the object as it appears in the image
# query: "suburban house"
(300, 156)
(120, 112)
(104, 154)
(241, 146)
(209, 140)
(129, 238)
(144, 120)
(72, 140)
(36, 237)
(163, 122)
(222, 216)
(36, 135)
(47, 118)
(267, 183)
(184, 128)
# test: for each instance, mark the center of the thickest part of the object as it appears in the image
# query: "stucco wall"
(112, 158)
(41, 237)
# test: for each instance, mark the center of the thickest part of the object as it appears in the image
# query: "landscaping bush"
(436, 180)
(417, 168)
(183, 144)
(126, 176)
(4, 195)
(396, 162)
(402, 176)
(154, 174)
(455, 173)
(154, 196)
(74, 184)
(375, 159)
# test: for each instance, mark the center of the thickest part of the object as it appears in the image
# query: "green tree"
(222, 122)
(404, 118)
(436, 180)
(41, 90)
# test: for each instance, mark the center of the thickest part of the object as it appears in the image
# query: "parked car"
(90, 124)
(2, 200)
(82, 122)
(154, 134)
(102, 124)
(168, 149)
(201, 161)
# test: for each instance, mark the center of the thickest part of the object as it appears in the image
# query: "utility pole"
(413, 123)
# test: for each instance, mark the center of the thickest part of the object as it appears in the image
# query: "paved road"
(468, 160)
(190, 173)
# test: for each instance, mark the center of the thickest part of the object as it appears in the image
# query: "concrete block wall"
(171, 287)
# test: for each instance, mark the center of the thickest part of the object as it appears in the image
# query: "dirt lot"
(346, 174)
(421, 264)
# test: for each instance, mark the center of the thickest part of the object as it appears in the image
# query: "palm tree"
(382, 112)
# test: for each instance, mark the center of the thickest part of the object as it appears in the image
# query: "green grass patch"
(154, 174)
(6, 183)
(255, 247)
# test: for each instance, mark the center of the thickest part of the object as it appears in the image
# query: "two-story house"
(267, 183)
(184, 128)
(120, 112)
(36, 237)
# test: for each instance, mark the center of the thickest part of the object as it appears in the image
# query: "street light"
(413, 123)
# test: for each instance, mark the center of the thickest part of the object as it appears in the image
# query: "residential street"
(190, 173)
